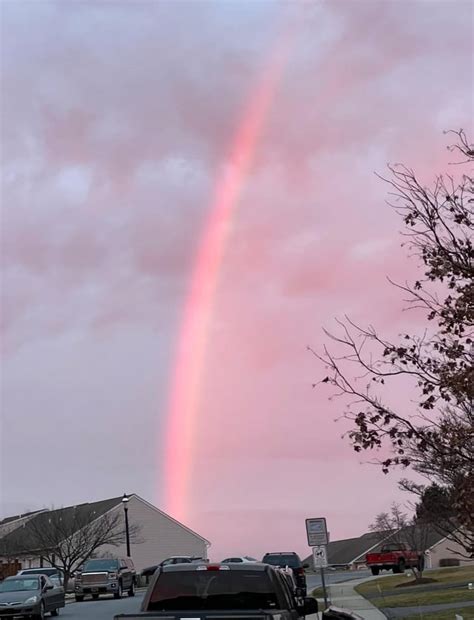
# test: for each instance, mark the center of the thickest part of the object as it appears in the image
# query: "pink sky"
(117, 118)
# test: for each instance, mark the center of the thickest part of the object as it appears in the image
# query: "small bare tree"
(68, 537)
(396, 527)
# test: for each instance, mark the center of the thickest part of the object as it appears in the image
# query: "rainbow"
(183, 402)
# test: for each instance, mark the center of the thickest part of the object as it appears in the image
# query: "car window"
(282, 559)
(216, 590)
(20, 585)
(100, 565)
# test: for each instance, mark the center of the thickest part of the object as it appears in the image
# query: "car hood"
(11, 597)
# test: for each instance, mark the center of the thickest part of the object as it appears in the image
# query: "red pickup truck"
(396, 557)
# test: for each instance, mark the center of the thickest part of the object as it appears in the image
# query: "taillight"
(300, 571)
(213, 567)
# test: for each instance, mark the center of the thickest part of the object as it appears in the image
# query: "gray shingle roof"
(22, 537)
(7, 520)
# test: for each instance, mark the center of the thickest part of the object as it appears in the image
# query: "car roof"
(251, 566)
(282, 553)
(39, 571)
(23, 577)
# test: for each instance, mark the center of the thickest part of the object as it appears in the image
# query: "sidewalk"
(344, 596)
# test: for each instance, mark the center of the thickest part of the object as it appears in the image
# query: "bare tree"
(433, 432)
(396, 527)
(68, 537)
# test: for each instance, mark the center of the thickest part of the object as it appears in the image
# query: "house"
(158, 534)
(445, 552)
(10, 566)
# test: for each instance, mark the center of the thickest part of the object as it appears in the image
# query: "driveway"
(332, 577)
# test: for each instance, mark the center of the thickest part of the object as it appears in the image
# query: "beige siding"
(446, 549)
(161, 537)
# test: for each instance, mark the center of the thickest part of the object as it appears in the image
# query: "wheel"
(400, 567)
(375, 570)
(131, 592)
(119, 592)
(55, 612)
(95, 596)
(79, 598)
(40, 616)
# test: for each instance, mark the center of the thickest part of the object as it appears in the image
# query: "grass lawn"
(464, 612)
(442, 576)
(424, 598)
(381, 592)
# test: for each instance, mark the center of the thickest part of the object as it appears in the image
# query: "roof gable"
(167, 516)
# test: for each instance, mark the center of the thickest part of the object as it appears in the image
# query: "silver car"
(30, 596)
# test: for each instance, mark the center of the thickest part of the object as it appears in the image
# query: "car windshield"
(282, 559)
(20, 585)
(213, 590)
(100, 565)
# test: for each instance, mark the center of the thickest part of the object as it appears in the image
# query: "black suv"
(293, 561)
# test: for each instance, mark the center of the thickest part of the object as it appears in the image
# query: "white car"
(240, 559)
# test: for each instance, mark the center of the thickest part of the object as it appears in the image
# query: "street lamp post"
(127, 529)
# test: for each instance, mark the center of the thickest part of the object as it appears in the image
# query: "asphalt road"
(103, 609)
(332, 577)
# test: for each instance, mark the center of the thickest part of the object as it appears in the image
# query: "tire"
(40, 616)
(375, 570)
(400, 567)
(131, 592)
(79, 598)
(55, 612)
(119, 592)
(95, 596)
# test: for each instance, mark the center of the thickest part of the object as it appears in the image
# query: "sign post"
(318, 539)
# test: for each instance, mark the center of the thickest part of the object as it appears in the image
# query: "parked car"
(246, 591)
(54, 574)
(241, 559)
(293, 561)
(30, 596)
(175, 559)
(105, 576)
(396, 557)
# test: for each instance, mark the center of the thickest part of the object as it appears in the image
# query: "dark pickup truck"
(222, 591)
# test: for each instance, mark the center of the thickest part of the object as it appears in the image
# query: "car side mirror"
(306, 565)
(310, 606)
(49, 586)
